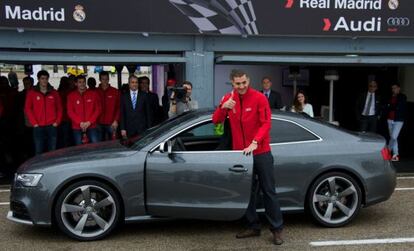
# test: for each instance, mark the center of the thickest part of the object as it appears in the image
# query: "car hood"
(110, 149)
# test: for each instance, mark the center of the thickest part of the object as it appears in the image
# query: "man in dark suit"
(156, 109)
(274, 98)
(368, 108)
(136, 114)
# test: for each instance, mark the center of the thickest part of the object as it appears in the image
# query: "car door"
(295, 150)
(204, 184)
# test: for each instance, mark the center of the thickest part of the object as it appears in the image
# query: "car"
(185, 168)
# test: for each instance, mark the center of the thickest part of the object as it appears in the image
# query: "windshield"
(155, 132)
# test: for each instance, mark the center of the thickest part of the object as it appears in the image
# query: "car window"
(202, 137)
(285, 131)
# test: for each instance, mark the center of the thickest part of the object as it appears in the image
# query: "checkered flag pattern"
(220, 16)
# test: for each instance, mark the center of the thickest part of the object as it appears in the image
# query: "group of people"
(40, 118)
(370, 108)
(300, 102)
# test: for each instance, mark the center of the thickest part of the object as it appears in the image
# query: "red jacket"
(83, 107)
(249, 120)
(110, 105)
(43, 109)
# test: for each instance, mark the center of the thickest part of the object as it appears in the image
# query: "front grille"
(19, 210)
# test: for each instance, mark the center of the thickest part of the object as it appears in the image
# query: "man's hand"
(114, 125)
(35, 126)
(250, 149)
(82, 126)
(55, 124)
(87, 124)
(229, 104)
(124, 133)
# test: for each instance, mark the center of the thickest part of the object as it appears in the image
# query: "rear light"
(386, 154)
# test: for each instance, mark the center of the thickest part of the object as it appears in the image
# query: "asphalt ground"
(390, 220)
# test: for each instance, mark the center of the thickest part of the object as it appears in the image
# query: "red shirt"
(249, 120)
(43, 109)
(393, 102)
(83, 107)
(110, 105)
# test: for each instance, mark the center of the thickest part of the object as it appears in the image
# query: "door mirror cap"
(169, 147)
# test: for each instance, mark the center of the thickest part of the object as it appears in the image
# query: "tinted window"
(284, 131)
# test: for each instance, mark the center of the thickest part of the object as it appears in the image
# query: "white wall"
(256, 72)
(407, 82)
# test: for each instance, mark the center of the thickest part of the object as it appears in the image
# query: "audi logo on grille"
(398, 21)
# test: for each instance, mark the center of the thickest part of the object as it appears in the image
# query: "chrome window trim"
(271, 144)
(319, 139)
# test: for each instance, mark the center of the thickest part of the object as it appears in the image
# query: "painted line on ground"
(405, 178)
(404, 189)
(4, 203)
(360, 242)
(4, 191)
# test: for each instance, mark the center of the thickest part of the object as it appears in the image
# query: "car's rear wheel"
(87, 210)
(334, 199)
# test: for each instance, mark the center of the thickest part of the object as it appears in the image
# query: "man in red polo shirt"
(43, 109)
(249, 115)
(84, 108)
(108, 121)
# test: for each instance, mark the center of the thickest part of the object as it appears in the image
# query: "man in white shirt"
(368, 108)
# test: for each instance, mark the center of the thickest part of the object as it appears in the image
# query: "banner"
(380, 18)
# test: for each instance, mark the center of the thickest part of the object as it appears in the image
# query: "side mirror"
(169, 147)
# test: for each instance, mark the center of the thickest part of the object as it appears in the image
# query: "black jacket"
(275, 100)
(400, 107)
(360, 104)
(135, 121)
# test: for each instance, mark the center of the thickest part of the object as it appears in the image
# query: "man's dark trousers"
(263, 169)
(42, 135)
(368, 123)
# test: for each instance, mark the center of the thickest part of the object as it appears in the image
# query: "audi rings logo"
(398, 21)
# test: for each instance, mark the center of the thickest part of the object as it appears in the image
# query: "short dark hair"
(398, 85)
(103, 73)
(140, 79)
(80, 77)
(131, 77)
(27, 78)
(43, 73)
(188, 83)
(237, 73)
(266, 77)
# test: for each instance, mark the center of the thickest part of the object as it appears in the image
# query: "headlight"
(28, 179)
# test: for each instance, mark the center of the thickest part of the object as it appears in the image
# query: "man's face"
(27, 84)
(104, 80)
(43, 81)
(133, 84)
(81, 84)
(240, 84)
(267, 84)
(372, 87)
(189, 90)
(395, 89)
(144, 85)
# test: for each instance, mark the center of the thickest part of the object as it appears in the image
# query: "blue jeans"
(42, 135)
(394, 128)
(91, 133)
(105, 132)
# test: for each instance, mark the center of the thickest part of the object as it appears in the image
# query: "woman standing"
(300, 104)
(395, 117)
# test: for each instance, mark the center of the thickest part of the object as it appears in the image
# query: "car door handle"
(238, 169)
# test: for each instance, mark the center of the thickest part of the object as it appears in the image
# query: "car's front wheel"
(334, 199)
(87, 210)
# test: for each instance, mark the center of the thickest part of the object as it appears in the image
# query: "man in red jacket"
(250, 121)
(84, 108)
(108, 121)
(43, 109)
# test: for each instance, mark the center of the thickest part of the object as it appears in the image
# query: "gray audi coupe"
(184, 168)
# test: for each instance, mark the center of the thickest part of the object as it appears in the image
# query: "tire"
(87, 210)
(338, 208)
